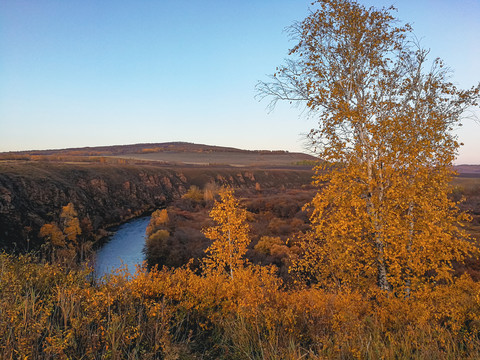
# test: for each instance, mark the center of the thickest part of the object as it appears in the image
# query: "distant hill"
(468, 170)
(140, 148)
(171, 153)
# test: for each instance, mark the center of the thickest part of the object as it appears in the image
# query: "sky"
(77, 73)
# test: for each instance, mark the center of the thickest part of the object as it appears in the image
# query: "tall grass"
(50, 312)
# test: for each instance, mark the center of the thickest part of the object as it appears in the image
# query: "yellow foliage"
(51, 312)
(63, 244)
(71, 224)
(274, 246)
(159, 235)
(265, 244)
(194, 193)
(52, 233)
(158, 219)
(230, 235)
(382, 216)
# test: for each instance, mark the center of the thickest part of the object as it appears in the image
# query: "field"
(228, 158)
(467, 190)
(468, 170)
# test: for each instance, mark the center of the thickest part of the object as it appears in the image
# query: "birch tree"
(382, 216)
(229, 235)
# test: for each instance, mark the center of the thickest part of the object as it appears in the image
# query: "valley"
(109, 190)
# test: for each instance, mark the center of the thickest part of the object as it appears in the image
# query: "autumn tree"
(194, 194)
(63, 240)
(158, 220)
(157, 248)
(54, 239)
(229, 235)
(382, 215)
(71, 224)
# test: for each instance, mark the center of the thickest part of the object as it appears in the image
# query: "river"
(124, 248)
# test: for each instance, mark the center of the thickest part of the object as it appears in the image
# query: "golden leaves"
(71, 224)
(382, 213)
(230, 235)
(158, 220)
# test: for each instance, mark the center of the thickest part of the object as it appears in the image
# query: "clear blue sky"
(87, 73)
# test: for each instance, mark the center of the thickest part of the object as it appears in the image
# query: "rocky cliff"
(32, 193)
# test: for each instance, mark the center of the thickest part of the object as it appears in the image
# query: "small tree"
(54, 239)
(230, 235)
(71, 227)
(194, 194)
(158, 220)
(71, 224)
(63, 239)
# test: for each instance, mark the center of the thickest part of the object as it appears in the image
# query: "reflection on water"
(124, 247)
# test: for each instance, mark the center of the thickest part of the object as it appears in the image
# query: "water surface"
(124, 247)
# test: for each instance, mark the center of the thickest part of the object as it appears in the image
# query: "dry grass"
(51, 313)
(236, 159)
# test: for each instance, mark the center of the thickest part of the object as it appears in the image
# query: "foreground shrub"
(49, 312)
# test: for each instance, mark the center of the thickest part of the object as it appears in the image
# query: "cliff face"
(32, 193)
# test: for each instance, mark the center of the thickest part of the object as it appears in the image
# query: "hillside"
(468, 170)
(127, 149)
